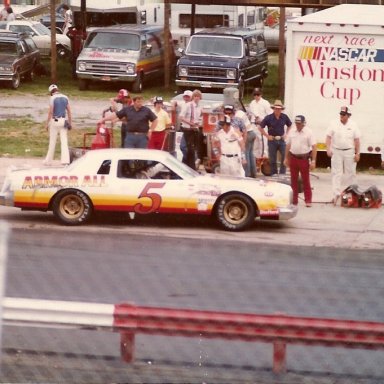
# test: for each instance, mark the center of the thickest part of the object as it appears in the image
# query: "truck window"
(215, 46)
(113, 40)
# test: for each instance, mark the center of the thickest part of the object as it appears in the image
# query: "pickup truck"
(19, 57)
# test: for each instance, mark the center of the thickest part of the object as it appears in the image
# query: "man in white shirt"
(300, 157)
(191, 120)
(343, 147)
(258, 109)
(231, 148)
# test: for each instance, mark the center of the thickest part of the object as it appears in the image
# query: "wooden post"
(279, 357)
(282, 53)
(167, 45)
(127, 346)
(53, 42)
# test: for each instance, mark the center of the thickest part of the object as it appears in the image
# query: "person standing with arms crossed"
(300, 157)
(190, 122)
(140, 122)
(343, 147)
(278, 124)
(58, 124)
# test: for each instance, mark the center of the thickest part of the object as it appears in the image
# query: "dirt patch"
(85, 112)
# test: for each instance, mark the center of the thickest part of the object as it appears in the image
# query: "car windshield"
(8, 48)
(112, 40)
(180, 168)
(215, 46)
(42, 29)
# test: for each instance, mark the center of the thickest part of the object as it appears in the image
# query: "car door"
(256, 57)
(25, 62)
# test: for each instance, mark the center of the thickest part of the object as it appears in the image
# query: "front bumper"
(7, 200)
(206, 84)
(287, 213)
(105, 77)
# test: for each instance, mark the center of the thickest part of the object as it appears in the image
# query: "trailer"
(335, 57)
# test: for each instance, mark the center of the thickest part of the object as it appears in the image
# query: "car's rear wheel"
(15, 82)
(235, 212)
(72, 207)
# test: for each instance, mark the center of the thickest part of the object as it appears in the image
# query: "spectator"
(300, 157)
(122, 99)
(158, 135)
(140, 119)
(231, 147)
(343, 147)
(59, 109)
(11, 16)
(278, 125)
(68, 19)
(258, 109)
(191, 120)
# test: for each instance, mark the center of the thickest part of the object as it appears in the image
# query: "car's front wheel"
(235, 212)
(15, 82)
(72, 207)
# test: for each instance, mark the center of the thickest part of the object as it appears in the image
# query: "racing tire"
(83, 84)
(16, 79)
(235, 212)
(137, 86)
(72, 207)
(216, 168)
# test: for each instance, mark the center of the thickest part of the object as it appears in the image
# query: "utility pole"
(282, 53)
(167, 44)
(53, 42)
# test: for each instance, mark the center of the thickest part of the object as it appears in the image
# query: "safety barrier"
(129, 319)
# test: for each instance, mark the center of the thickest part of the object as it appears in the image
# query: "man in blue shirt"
(278, 125)
(58, 124)
(140, 122)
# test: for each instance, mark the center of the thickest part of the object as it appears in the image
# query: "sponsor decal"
(63, 181)
(268, 193)
(270, 212)
(341, 63)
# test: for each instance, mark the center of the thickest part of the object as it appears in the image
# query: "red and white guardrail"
(129, 319)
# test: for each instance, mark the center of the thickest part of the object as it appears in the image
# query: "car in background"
(46, 20)
(144, 181)
(19, 58)
(41, 35)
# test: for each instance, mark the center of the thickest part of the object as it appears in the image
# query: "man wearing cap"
(231, 147)
(191, 120)
(123, 99)
(343, 147)
(59, 108)
(157, 136)
(140, 119)
(278, 125)
(259, 108)
(300, 157)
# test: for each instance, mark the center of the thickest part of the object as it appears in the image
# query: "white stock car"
(144, 181)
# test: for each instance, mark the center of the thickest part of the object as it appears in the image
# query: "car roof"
(132, 28)
(230, 31)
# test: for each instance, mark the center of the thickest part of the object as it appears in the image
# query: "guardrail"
(129, 319)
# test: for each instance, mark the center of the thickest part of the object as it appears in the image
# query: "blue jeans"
(250, 167)
(275, 146)
(135, 141)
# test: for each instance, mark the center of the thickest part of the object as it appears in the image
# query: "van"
(223, 57)
(123, 53)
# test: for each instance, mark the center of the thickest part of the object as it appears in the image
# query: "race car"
(144, 181)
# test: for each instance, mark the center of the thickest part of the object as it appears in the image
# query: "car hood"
(107, 54)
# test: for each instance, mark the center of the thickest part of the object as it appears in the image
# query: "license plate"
(206, 84)
(106, 78)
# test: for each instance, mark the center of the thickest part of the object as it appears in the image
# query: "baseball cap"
(300, 119)
(52, 88)
(187, 93)
(229, 107)
(158, 99)
(257, 91)
(122, 93)
(345, 111)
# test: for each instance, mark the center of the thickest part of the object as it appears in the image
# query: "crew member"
(300, 157)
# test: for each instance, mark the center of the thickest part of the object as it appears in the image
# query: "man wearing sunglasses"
(343, 147)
